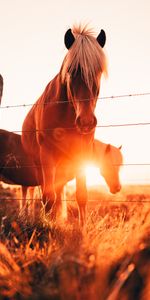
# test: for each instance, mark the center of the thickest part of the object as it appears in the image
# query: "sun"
(93, 176)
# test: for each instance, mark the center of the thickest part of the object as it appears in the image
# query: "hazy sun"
(93, 176)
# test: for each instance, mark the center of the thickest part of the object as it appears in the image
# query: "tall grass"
(59, 260)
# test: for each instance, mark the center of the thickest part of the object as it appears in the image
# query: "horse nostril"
(94, 121)
(90, 123)
(115, 189)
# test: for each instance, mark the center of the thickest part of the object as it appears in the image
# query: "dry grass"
(108, 259)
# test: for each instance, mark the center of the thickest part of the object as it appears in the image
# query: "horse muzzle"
(86, 126)
(115, 189)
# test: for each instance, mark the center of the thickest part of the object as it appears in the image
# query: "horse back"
(8, 141)
(15, 166)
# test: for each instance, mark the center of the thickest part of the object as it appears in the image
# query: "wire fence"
(72, 128)
(39, 166)
(123, 96)
(116, 97)
(83, 100)
(100, 201)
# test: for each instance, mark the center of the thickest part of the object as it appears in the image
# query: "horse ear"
(120, 147)
(107, 148)
(101, 38)
(69, 39)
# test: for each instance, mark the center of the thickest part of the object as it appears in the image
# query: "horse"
(61, 123)
(107, 158)
(16, 167)
(1, 87)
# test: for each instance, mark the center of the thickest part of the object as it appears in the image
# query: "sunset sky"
(31, 53)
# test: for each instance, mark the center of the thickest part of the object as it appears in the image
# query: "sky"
(32, 50)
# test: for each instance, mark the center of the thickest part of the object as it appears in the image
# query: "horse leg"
(56, 209)
(61, 204)
(61, 178)
(81, 195)
(64, 203)
(24, 190)
(31, 200)
(48, 172)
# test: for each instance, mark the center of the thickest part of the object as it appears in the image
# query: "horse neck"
(99, 151)
(54, 91)
(61, 89)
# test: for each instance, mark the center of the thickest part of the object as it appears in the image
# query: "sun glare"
(93, 176)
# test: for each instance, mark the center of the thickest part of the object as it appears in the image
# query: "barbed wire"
(98, 126)
(74, 128)
(61, 101)
(39, 166)
(89, 200)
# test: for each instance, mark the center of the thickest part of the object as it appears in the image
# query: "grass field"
(108, 259)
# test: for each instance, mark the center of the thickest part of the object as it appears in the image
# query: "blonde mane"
(86, 53)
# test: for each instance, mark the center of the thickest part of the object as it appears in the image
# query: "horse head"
(81, 71)
(110, 166)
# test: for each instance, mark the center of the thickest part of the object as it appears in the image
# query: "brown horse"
(61, 124)
(106, 157)
(1, 87)
(16, 167)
